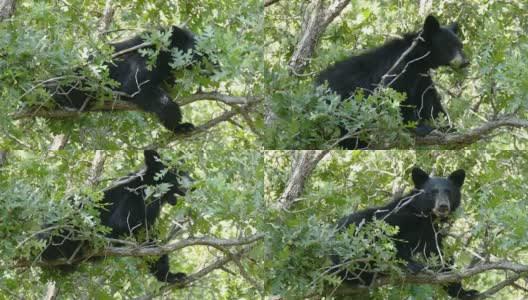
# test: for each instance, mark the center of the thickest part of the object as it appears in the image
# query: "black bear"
(129, 206)
(141, 86)
(417, 214)
(438, 46)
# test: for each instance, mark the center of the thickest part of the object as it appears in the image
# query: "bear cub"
(128, 207)
(438, 46)
(416, 214)
(140, 86)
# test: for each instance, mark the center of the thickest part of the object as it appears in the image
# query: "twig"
(400, 59)
(496, 288)
(124, 51)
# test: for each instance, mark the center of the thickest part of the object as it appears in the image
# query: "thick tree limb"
(165, 249)
(59, 142)
(239, 105)
(460, 140)
(118, 105)
(97, 168)
(302, 167)
(495, 289)
(157, 250)
(442, 278)
(315, 26)
(106, 19)
(51, 291)
(7, 8)
(107, 106)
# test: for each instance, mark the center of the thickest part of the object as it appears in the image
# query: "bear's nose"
(443, 208)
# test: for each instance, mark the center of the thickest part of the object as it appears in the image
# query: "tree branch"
(219, 263)
(118, 105)
(154, 250)
(106, 19)
(313, 30)
(442, 278)
(509, 281)
(97, 168)
(302, 167)
(7, 8)
(239, 105)
(59, 142)
(460, 140)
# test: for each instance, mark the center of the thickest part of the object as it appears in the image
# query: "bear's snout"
(442, 208)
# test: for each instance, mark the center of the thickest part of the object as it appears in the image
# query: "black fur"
(125, 212)
(130, 71)
(417, 215)
(439, 47)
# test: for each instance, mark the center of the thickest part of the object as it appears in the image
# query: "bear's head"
(185, 40)
(437, 195)
(179, 181)
(443, 43)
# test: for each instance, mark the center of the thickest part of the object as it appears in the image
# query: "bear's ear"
(152, 159)
(431, 26)
(458, 177)
(419, 177)
(453, 27)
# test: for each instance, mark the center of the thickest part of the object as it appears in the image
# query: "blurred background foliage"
(494, 38)
(227, 203)
(492, 220)
(47, 39)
